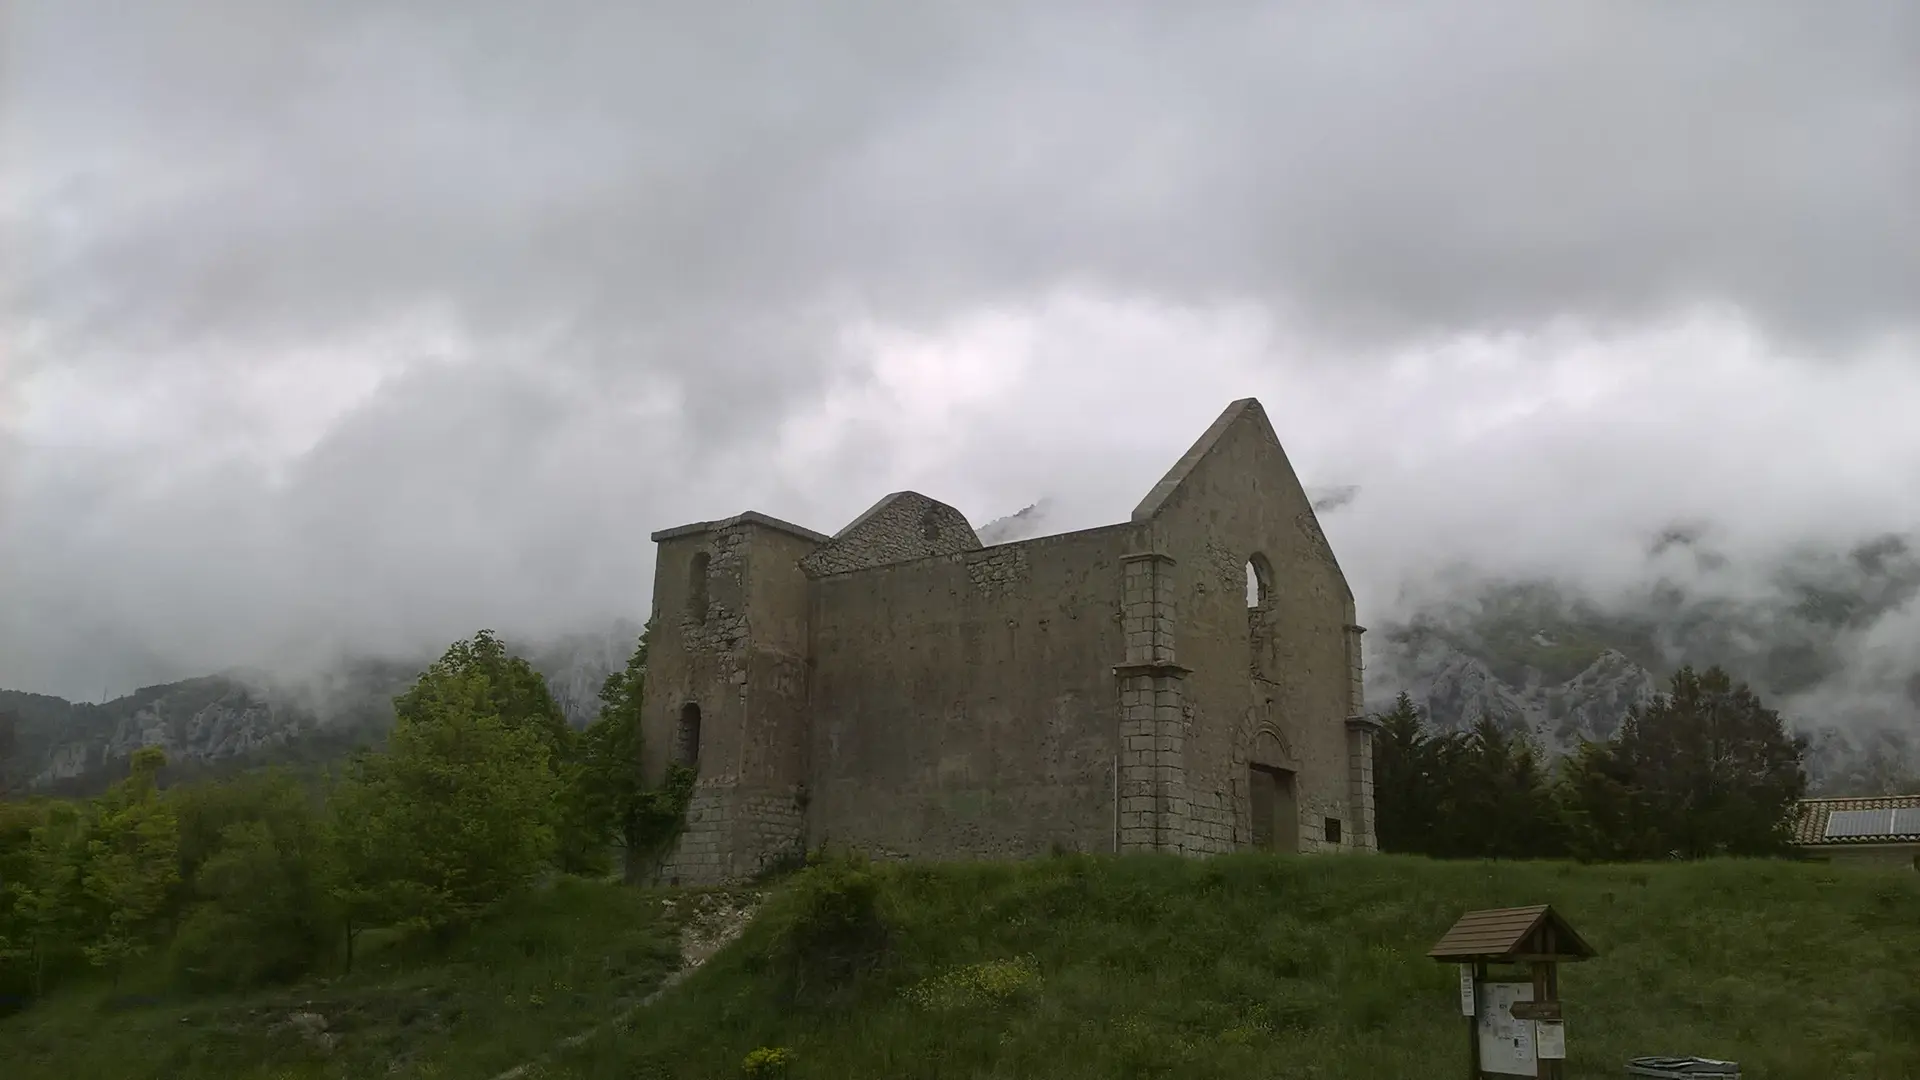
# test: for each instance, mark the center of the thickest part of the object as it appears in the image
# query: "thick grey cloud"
(352, 322)
(646, 173)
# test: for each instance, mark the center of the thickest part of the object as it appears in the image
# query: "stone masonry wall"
(901, 690)
(1360, 747)
(740, 658)
(1360, 780)
(732, 835)
(1154, 807)
(899, 528)
(964, 706)
(1284, 668)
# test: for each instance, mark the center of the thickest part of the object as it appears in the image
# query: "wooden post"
(1546, 1008)
(1546, 988)
(1473, 1022)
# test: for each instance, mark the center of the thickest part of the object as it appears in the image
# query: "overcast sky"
(349, 324)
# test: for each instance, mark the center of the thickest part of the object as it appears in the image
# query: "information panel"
(1506, 1044)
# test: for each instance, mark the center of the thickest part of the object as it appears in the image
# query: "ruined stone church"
(1186, 681)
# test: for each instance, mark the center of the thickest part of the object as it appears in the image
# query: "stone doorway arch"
(1273, 795)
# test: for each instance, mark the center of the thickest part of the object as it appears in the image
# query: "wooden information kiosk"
(1515, 1023)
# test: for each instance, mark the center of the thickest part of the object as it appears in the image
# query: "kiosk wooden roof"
(1511, 935)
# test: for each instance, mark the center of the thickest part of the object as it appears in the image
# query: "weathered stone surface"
(904, 526)
(899, 689)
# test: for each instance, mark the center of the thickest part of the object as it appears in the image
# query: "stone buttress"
(1154, 808)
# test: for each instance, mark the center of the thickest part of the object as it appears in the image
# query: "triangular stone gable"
(1244, 414)
(901, 527)
(1244, 409)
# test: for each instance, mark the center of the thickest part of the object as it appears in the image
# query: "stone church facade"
(1186, 681)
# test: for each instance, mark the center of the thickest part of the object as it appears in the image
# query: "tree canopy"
(1704, 768)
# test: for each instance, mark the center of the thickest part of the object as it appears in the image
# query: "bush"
(994, 982)
(831, 931)
(768, 1061)
(259, 910)
(216, 949)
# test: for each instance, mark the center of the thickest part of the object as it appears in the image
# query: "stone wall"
(1360, 785)
(741, 658)
(901, 690)
(1155, 722)
(1282, 667)
(966, 705)
(1884, 855)
(900, 528)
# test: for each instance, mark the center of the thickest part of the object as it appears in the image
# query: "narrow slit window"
(686, 739)
(697, 586)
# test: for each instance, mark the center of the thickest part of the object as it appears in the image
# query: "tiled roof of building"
(1863, 824)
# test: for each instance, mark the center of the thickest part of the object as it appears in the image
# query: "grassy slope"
(544, 969)
(1315, 967)
(1240, 967)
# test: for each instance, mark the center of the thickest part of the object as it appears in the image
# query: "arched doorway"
(1272, 795)
(1274, 807)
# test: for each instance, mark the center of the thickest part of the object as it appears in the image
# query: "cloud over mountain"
(335, 327)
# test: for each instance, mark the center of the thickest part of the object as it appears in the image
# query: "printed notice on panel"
(1550, 1036)
(1506, 1041)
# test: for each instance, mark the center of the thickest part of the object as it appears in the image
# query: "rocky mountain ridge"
(1557, 717)
(240, 718)
(1543, 659)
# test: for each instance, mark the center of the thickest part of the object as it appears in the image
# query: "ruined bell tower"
(727, 691)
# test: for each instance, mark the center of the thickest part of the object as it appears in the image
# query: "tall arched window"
(1259, 596)
(930, 524)
(1259, 581)
(686, 737)
(697, 586)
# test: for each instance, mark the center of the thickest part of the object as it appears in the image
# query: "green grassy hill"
(1077, 967)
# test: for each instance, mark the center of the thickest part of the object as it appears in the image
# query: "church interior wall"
(965, 706)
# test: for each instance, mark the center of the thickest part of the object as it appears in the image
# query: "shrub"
(768, 1061)
(994, 982)
(831, 930)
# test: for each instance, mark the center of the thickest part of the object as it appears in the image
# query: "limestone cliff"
(243, 718)
(1538, 657)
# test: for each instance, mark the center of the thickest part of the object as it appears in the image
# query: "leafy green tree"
(514, 692)
(362, 885)
(1703, 769)
(207, 809)
(605, 789)
(48, 909)
(456, 814)
(262, 909)
(518, 696)
(18, 823)
(609, 795)
(131, 865)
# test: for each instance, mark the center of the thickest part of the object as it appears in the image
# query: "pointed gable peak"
(1245, 410)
